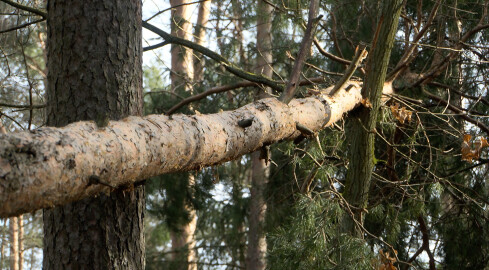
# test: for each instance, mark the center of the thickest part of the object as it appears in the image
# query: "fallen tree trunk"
(53, 166)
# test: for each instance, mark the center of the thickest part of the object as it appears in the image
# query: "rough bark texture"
(94, 73)
(182, 67)
(362, 133)
(257, 245)
(14, 243)
(53, 166)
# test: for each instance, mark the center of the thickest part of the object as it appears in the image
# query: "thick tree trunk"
(94, 73)
(54, 166)
(362, 132)
(257, 245)
(14, 243)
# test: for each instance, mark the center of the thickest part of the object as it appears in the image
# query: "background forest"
(296, 204)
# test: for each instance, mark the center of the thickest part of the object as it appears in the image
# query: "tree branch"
(36, 11)
(459, 112)
(259, 79)
(53, 166)
(21, 26)
(360, 54)
(21, 106)
(211, 91)
(304, 51)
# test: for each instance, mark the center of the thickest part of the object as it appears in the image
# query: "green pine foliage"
(312, 239)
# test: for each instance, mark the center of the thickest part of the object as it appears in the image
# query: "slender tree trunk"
(183, 239)
(362, 132)
(2, 242)
(21, 241)
(95, 72)
(202, 19)
(182, 75)
(257, 245)
(14, 243)
(182, 67)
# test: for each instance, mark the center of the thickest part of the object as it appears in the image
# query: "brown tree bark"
(95, 73)
(2, 241)
(362, 132)
(182, 75)
(182, 67)
(54, 166)
(202, 19)
(14, 243)
(20, 240)
(257, 245)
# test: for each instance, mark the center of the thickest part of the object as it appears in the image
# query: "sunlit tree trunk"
(21, 241)
(200, 27)
(2, 242)
(257, 245)
(182, 75)
(95, 73)
(182, 67)
(14, 243)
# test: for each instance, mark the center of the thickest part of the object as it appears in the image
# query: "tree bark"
(257, 245)
(2, 242)
(54, 166)
(362, 132)
(182, 75)
(14, 243)
(94, 73)
(182, 67)
(202, 19)
(20, 240)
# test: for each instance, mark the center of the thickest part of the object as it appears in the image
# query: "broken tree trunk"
(53, 166)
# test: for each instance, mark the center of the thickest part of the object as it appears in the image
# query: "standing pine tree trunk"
(182, 74)
(95, 72)
(182, 67)
(362, 133)
(202, 19)
(21, 241)
(14, 243)
(257, 245)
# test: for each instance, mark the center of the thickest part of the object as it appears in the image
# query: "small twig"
(36, 11)
(40, 106)
(207, 93)
(21, 26)
(170, 8)
(360, 54)
(156, 46)
(329, 55)
(232, 68)
(305, 49)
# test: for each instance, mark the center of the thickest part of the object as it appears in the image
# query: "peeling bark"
(53, 166)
